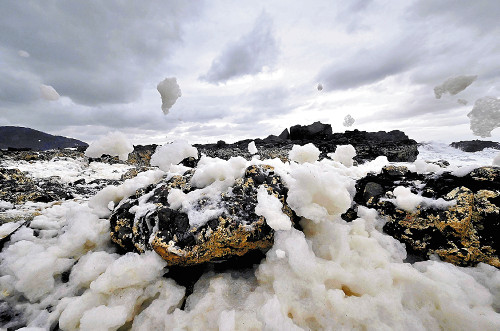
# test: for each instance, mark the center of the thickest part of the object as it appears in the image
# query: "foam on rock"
(304, 154)
(114, 144)
(171, 154)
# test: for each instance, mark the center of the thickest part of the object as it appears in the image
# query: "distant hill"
(19, 137)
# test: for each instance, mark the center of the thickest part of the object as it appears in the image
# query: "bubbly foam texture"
(333, 275)
(114, 144)
(172, 154)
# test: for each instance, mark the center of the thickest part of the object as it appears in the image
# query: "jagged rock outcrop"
(463, 233)
(146, 221)
(475, 145)
(369, 145)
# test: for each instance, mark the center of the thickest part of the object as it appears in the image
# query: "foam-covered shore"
(63, 270)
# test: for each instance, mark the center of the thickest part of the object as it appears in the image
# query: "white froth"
(49, 93)
(171, 154)
(114, 144)
(210, 170)
(302, 154)
(454, 85)
(496, 160)
(344, 154)
(270, 207)
(332, 276)
(252, 149)
(169, 92)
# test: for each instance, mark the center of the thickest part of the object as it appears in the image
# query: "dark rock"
(141, 155)
(369, 145)
(313, 131)
(235, 232)
(285, 135)
(19, 138)
(10, 317)
(463, 234)
(221, 143)
(475, 145)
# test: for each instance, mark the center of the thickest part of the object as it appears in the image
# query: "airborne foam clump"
(270, 207)
(171, 154)
(344, 154)
(462, 102)
(304, 154)
(170, 92)
(23, 53)
(485, 116)
(348, 120)
(49, 93)
(453, 85)
(252, 149)
(114, 144)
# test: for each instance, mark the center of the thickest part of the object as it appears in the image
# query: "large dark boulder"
(475, 145)
(464, 234)
(236, 231)
(310, 132)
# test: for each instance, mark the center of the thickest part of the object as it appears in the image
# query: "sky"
(246, 69)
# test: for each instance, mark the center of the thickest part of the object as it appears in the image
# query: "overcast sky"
(246, 68)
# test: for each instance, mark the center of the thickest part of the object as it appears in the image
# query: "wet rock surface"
(475, 145)
(464, 234)
(233, 231)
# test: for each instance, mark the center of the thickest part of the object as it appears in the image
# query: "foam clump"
(304, 154)
(49, 93)
(114, 144)
(344, 154)
(496, 160)
(23, 53)
(252, 149)
(318, 192)
(485, 116)
(112, 195)
(270, 207)
(348, 120)
(169, 92)
(171, 154)
(407, 200)
(210, 170)
(453, 85)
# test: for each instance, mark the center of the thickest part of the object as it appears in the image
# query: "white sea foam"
(333, 275)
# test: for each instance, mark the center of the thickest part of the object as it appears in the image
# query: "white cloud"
(249, 55)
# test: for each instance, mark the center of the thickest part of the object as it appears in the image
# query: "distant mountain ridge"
(21, 137)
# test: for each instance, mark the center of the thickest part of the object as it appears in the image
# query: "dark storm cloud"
(95, 52)
(370, 65)
(246, 56)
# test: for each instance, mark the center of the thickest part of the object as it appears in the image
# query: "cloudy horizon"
(246, 70)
